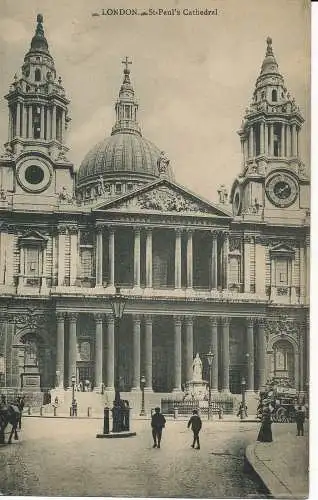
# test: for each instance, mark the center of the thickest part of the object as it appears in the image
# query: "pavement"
(283, 464)
(62, 457)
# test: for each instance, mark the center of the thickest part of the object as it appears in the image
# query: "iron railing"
(168, 406)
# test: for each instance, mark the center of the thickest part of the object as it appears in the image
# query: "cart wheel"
(281, 415)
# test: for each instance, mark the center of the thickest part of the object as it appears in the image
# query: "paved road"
(63, 457)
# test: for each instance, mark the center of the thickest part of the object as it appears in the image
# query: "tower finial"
(39, 18)
(269, 50)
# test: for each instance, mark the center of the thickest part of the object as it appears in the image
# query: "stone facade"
(195, 275)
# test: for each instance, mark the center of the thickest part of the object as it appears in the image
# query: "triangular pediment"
(32, 238)
(282, 249)
(164, 196)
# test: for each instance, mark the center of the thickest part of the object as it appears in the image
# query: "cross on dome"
(126, 62)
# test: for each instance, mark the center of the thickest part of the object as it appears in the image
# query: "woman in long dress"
(265, 432)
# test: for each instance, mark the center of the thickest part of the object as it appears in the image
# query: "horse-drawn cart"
(282, 401)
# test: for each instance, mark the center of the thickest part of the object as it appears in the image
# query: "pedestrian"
(158, 423)
(195, 423)
(74, 408)
(242, 411)
(300, 419)
(265, 432)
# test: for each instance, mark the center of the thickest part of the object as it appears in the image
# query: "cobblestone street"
(63, 457)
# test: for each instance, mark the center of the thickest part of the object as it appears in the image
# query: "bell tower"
(37, 124)
(273, 182)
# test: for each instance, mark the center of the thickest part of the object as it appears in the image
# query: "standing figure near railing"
(158, 422)
(195, 423)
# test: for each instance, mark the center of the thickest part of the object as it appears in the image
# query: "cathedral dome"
(126, 156)
(121, 153)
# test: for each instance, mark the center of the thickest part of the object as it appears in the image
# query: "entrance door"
(85, 372)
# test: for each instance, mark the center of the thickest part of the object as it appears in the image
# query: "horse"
(9, 414)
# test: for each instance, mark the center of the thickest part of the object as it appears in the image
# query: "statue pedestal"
(196, 389)
(31, 379)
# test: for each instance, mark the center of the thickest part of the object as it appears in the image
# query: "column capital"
(72, 316)
(62, 229)
(177, 320)
(148, 229)
(261, 322)
(136, 319)
(250, 321)
(137, 229)
(148, 319)
(73, 229)
(213, 320)
(99, 317)
(189, 231)
(188, 320)
(178, 231)
(214, 233)
(110, 320)
(60, 316)
(99, 228)
(225, 320)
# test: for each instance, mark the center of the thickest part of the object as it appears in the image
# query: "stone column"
(214, 261)
(63, 127)
(261, 353)
(9, 257)
(18, 120)
(42, 127)
(137, 258)
(98, 351)
(271, 139)
(262, 133)
(225, 260)
(288, 142)
(189, 259)
(225, 322)
(251, 142)
(177, 259)
(24, 121)
(149, 258)
(148, 353)
(177, 354)
(73, 255)
(283, 133)
(61, 255)
(3, 245)
(214, 349)
(54, 122)
(72, 349)
(250, 353)
(136, 353)
(99, 256)
(189, 346)
(247, 263)
(60, 326)
(266, 139)
(10, 125)
(294, 140)
(30, 120)
(48, 123)
(110, 353)
(111, 257)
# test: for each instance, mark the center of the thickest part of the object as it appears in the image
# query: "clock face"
(281, 190)
(34, 175)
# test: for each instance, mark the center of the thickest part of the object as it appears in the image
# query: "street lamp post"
(210, 356)
(73, 379)
(117, 303)
(142, 386)
(243, 383)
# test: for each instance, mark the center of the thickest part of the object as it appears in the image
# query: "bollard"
(89, 411)
(41, 411)
(220, 413)
(71, 411)
(106, 420)
(175, 413)
(54, 411)
(29, 410)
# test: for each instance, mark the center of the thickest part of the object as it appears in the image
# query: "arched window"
(283, 360)
(274, 95)
(37, 75)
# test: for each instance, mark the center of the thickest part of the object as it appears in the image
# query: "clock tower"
(34, 168)
(273, 184)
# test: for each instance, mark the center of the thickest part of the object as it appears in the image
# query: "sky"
(193, 75)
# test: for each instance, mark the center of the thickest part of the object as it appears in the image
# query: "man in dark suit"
(158, 422)
(196, 423)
